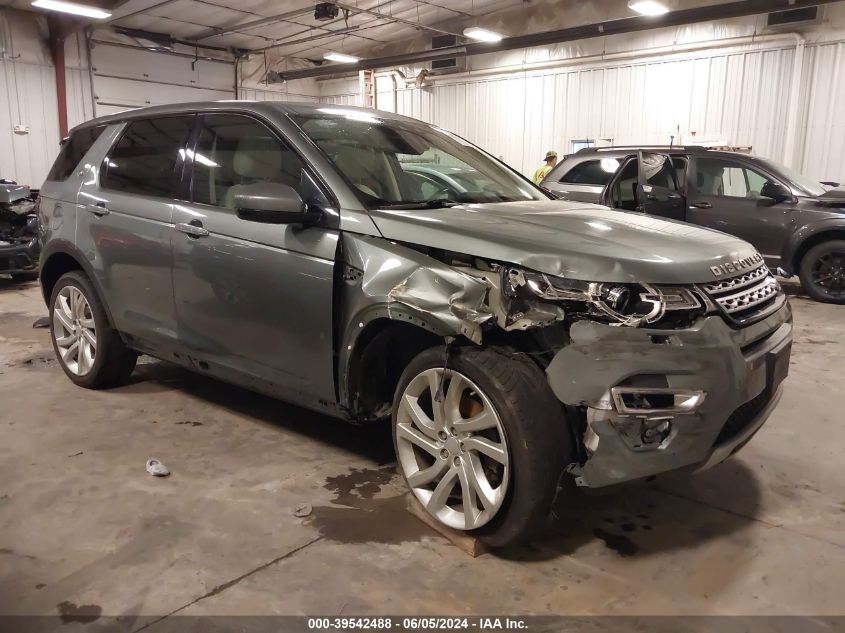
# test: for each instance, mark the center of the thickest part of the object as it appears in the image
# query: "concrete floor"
(85, 531)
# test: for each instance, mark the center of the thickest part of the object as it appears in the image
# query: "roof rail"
(587, 150)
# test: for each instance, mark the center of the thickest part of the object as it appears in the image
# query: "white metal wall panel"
(823, 135)
(257, 94)
(736, 98)
(29, 100)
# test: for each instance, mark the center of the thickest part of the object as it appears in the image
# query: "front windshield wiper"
(421, 204)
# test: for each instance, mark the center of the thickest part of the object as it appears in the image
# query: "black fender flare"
(800, 237)
(357, 324)
(65, 247)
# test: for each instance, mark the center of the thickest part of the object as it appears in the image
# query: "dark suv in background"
(797, 224)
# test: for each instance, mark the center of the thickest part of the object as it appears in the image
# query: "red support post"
(57, 52)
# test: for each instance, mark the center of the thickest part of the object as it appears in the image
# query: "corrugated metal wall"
(29, 100)
(822, 140)
(734, 98)
(258, 94)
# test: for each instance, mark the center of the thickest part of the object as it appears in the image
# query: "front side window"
(233, 151)
(144, 161)
(73, 150)
(393, 163)
(720, 177)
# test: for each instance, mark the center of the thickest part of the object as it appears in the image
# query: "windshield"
(806, 186)
(397, 163)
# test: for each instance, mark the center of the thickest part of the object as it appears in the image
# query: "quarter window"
(592, 172)
(73, 150)
(719, 177)
(144, 161)
(233, 151)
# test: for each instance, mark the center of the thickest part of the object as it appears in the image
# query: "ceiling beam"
(249, 25)
(736, 9)
(392, 18)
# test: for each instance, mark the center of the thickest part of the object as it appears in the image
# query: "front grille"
(747, 297)
(742, 417)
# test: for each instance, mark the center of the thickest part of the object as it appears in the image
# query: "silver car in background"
(300, 251)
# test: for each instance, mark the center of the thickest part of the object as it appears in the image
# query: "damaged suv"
(510, 338)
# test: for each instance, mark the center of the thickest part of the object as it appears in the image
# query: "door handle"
(100, 209)
(193, 229)
(701, 205)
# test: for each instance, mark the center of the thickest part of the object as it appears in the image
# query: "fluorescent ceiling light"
(72, 8)
(482, 35)
(648, 7)
(340, 57)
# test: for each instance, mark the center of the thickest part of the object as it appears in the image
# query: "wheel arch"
(374, 355)
(62, 257)
(807, 237)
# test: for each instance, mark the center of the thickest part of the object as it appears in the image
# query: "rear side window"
(145, 158)
(72, 151)
(592, 172)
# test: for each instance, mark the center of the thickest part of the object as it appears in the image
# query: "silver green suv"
(301, 251)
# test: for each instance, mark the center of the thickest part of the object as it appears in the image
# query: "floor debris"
(303, 510)
(156, 468)
(41, 322)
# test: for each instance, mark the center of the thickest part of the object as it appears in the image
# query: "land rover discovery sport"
(510, 338)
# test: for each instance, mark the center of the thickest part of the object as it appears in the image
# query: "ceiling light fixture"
(341, 58)
(648, 7)
(482, 35)
(72, 8)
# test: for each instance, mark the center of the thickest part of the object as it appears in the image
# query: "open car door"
(658, 191)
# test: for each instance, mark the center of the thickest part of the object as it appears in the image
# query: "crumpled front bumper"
(19, 255)
(739, 370)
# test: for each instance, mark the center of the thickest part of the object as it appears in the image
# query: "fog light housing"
(656, 402)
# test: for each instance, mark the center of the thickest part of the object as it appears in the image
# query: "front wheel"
(482, 443)
(822, 271)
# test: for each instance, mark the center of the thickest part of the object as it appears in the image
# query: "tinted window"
(233, 151)
(592, 172)
(719, 177)
(72, 151)
(145, 158)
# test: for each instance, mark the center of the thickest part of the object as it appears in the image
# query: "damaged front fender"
(406, 283)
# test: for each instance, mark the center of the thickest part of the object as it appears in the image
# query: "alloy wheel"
(74, 330)
(452, 448)
(828, 274)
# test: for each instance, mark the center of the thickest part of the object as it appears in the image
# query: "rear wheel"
(822, 271)
(486, 454)
(90, 351)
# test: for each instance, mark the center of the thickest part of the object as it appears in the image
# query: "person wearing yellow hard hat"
(550, 162)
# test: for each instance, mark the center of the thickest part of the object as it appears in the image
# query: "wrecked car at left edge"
(19, 246)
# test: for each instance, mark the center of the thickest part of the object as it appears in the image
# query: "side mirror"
(776, 191)
(270, 203)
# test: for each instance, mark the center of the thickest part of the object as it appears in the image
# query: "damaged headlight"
(622, 303)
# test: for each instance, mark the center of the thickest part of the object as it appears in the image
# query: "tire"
(23, 277)
(529, 421)
(824, 262)
(107, 363)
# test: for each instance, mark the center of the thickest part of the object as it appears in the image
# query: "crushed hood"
(574, 240)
